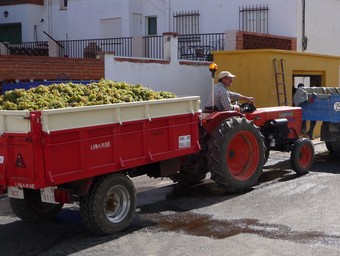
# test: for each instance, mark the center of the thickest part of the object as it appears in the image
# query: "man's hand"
(251, 100)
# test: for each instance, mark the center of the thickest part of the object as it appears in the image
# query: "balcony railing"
(153, 47)
(190, 47)
(89, 48)
(28, 48)
(199, 46)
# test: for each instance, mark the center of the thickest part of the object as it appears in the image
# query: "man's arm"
(238, 96)
(249, 99)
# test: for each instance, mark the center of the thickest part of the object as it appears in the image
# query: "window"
(63, 4)
(254, 18)
(186, 22)
(111, 28)
(151, 25)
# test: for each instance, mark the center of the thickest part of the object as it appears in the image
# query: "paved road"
(283, 215)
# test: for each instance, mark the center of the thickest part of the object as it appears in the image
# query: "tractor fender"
(212, 120)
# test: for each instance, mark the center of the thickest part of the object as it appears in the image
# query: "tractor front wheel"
(302, 155)
(236, 154)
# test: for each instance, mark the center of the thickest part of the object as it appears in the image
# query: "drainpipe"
(168, 14)
(304, 37)
(49, 16)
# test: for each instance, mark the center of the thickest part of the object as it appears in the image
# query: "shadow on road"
(64, 235)
(326, 162)
(67, 234)
(323, 162)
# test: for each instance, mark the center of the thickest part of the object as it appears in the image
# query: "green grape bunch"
(63, 95)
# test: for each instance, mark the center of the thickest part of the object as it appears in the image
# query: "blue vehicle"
(322, 104)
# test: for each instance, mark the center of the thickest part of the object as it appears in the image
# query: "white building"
(314, 20)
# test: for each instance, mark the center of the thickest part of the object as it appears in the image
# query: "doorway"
(10, 33)
(307, 80)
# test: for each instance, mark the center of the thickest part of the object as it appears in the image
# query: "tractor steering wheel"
(247, 107)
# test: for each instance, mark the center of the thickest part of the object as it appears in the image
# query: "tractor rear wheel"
(236, 154)
(302, 155)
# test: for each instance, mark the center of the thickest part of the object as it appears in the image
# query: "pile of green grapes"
(76, 95)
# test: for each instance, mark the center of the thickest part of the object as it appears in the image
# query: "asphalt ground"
(284, 214)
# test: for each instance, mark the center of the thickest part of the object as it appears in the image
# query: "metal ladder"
(280, 82)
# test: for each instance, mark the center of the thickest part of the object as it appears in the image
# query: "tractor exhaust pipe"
(213, 68)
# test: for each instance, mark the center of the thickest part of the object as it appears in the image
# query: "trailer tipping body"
(50, 147)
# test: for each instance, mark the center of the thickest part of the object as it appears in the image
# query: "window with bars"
(254, 18)
(186, 22)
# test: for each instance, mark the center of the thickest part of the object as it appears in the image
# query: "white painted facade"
(87, 19)
(181, 79)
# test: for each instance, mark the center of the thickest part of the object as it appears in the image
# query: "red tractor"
(236, 145)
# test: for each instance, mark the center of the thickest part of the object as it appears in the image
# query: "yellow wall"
(255, 76)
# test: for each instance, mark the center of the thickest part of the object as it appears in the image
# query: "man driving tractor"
(223, 97)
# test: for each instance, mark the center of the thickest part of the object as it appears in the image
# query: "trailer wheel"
(333, 146)
(32, 209)
(110, 204)
(302, 155)
(236, 154)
